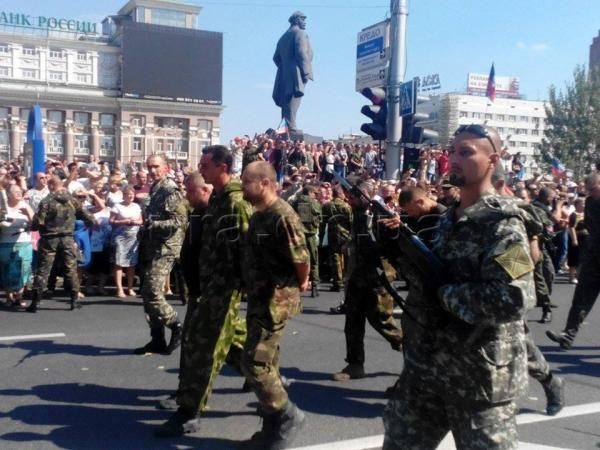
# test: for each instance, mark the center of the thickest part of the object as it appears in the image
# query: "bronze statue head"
(298, 18)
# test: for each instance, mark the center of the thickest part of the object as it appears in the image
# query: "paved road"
(81, 388)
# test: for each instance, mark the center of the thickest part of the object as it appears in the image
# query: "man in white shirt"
(35, 195)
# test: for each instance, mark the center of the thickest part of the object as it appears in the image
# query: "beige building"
(74, 71)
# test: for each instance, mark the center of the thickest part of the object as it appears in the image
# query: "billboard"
(172, 64)
(507, 87)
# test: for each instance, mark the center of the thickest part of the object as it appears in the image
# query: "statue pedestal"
(297, 135)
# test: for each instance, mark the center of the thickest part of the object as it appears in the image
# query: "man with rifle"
(465, 362)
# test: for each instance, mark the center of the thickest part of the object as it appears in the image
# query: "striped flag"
(490, 92)
(557, 167)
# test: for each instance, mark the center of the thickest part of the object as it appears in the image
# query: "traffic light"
(413, 127)
(377, 112)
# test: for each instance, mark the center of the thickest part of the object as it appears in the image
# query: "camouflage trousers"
(260, 363)
(212, 333)
(312, 242)
(376, 305)
(48, 249)
(537, 366)
(419, 420)
(158, 311)
(336, 264)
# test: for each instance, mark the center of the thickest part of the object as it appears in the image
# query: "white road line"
(375, 442)
(29, 337)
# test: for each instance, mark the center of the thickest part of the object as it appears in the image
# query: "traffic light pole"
(399, 14)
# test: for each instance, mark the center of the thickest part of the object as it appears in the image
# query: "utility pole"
(399, 14)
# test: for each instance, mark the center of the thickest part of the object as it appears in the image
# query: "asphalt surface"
(86, 390)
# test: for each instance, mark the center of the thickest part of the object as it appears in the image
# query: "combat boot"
(339, 309)
(176, 335)
(554, 388)
(314, 291)
(350, 372)
(169, 403)
(35, 300)
(158, 344)
(75, 302)
(178, 425)
(279, 429)
(546, 313)
(564, 339)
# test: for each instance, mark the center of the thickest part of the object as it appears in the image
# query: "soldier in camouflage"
(468, 366)
(309, 210)
(338, 216)
(366, 296)
(276, 272)
(55, 220)
(214, 331)
(162, 234)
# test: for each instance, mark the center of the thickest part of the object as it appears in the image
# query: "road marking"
(29, 337)
(375, 442)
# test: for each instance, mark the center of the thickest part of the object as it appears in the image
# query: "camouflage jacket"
(309, 211)
(224, 225)
(166, 220)
(57, 213)
(479, 356)
(337, 214)
(275, 243)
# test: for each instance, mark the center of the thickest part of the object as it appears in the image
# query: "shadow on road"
(91, 427)
(572, 362)
(50, 347)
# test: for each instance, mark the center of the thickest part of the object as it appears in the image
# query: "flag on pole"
(490, 92)
(557, 167)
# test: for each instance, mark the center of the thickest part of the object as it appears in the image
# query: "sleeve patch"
(515, 261)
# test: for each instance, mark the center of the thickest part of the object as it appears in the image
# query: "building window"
(81, 118)
(535, 120)
(169, 122)
(463, 114)
(82, 56)
(28, 73)
(56, 54)
(138, 121)
(4, 113)
(24, 114)
(168, 17)
(107, 120)
(159, 146)
(56, 76)
(5, 72)
(512, 118)
(140, 14)
(512, 131)
(55, 143)
(535, 132)
(107, 146)
(82, 78)
(476, 115)
(137, 144)
(4, 140)
(56, 116)
(488, 117)
(205, 125)
(500, 130)
(521, 131)
(82, 144)
(511, 143)
(524, 119)
(4, 49)
(29, 51)
(499, 116)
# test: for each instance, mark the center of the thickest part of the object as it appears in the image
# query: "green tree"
(573, 122)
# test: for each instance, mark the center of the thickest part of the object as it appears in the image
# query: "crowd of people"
(266, 219)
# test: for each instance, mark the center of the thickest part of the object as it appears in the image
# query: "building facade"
(520, 123)
(74, 71)
(595, 53)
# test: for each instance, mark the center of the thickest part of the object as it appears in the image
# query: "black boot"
(75, 303)
(158, 344)
(339, 309)
(169, 403)
(546, 313)
(563, 338)
(32, 308)
(279, 429)
(554, 388)
(175, 341)
(178, 425)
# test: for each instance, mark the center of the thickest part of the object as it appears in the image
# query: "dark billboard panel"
(175, 64)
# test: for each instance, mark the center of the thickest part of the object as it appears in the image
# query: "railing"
(56, 150)
(110, 152)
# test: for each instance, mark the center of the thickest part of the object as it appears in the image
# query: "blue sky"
(539, 41)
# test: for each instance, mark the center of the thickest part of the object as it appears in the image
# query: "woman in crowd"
(15, 246)
(126, 218)
(100, 236)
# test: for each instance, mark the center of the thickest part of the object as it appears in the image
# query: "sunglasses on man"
(477, 130)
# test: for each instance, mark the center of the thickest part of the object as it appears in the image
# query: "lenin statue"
(293, 58)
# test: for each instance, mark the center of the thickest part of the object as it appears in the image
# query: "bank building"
(110, 89)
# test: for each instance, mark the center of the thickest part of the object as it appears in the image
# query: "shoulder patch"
(515, 261)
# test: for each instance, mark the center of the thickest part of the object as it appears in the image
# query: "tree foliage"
(573, 122)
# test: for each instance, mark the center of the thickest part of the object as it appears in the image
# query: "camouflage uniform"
(338, 216)
(309, 211)
(465, 366)
(275, 243)
(212, 323)
(366, 297)
(55, 221)
(162, 235)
